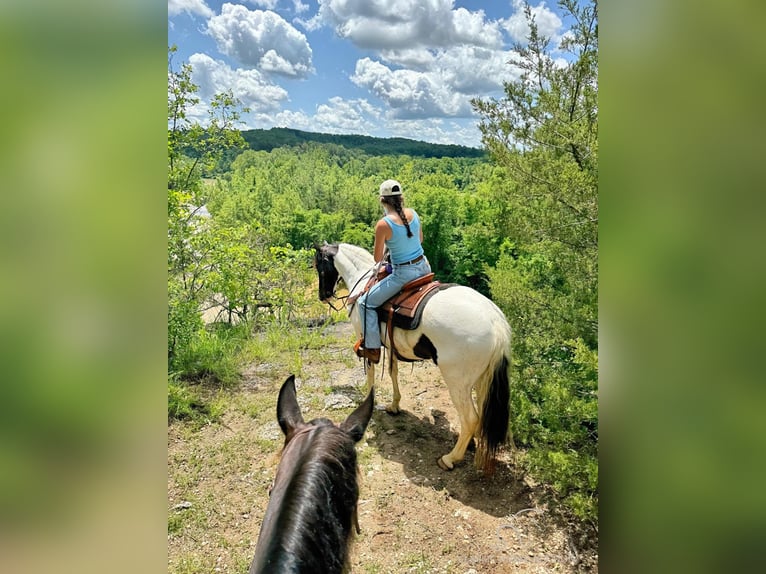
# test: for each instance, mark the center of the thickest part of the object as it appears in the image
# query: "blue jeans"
(381, 292)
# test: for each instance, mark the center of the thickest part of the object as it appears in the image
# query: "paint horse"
(312, 504)
(465, 334)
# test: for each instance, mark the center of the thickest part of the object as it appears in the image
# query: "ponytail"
(395, 201)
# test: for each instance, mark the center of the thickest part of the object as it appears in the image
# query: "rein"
(335, 297)
(345, 297)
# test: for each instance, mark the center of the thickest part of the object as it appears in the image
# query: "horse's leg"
(370, 375)
(393, 408)
(469, 419)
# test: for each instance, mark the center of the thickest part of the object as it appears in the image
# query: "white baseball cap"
(390, 187)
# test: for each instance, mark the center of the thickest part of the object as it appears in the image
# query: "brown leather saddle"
(405, 309)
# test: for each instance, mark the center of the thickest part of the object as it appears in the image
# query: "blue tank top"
(404, 248)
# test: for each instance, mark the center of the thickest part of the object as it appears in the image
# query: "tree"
(191, 148)
(544, 133)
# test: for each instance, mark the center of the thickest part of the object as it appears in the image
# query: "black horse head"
(312, 506)
(324, 261)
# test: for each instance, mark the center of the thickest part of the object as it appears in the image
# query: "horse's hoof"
(442, 464)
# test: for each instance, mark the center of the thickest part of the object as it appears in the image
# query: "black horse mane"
(314, 504)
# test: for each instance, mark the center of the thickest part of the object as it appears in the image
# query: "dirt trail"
(414, 517)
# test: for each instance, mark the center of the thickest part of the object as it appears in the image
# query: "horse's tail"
(493, 396)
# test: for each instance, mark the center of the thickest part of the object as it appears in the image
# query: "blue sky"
(384, 68)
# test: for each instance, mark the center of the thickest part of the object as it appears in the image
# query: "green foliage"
(223, 262)
(544, 134)
(184, 320)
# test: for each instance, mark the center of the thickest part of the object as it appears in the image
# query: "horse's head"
(315, 491)
(324, 262)
(291, 420)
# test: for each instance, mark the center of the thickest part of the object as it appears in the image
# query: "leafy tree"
(189, 236)
(543, 132)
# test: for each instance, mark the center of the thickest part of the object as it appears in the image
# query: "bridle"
(334, 295)
(343, 298)
(336, 298)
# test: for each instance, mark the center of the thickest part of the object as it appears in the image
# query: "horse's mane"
(314, 520)
(360, 257)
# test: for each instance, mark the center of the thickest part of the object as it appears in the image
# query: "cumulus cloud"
(191, 7)
(414, 59)
(445, 88)
(436, 130)
(474, 70)
(299, 6)
(337, 115)
(346, 116)
(405, 24)
(408, 93)
(261, 40)
(249, 86)
(268, 4)
(433, 58)
(548, 22)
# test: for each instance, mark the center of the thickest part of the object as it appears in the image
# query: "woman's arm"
(382, 233)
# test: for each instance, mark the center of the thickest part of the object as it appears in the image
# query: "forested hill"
(280, 137)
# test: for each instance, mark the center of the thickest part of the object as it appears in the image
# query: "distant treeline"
(267, 140)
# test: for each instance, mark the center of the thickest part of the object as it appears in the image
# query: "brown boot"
(372, 355)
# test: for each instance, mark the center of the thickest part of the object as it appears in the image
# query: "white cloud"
(408, 93)
(337, 115)
(346, 116)
(299, 6)
(437, 131)
(433, 58)
(261, 40)
(445, 86)
(405, 24)
(548, 22)
(249, 86)
(268, 4)
(474, 70)
(191, 7)
(413, 59)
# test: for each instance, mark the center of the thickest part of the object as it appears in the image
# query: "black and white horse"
(312, 504)
(465, 334)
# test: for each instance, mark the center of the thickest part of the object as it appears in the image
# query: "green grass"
(193, 565)
(189, 403)
(213, 355)
(215, 358)
(175, 522)
(417, 562)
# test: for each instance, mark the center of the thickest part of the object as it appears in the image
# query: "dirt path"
(414, 517)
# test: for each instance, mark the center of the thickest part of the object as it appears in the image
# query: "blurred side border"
(82, 311)
(681, 287)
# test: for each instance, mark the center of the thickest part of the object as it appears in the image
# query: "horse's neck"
(353, 265)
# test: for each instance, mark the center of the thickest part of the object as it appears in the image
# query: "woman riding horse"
(465, 334)
(398, 230)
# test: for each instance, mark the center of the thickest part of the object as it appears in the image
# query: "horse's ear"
(288, 412)
(356, 423)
